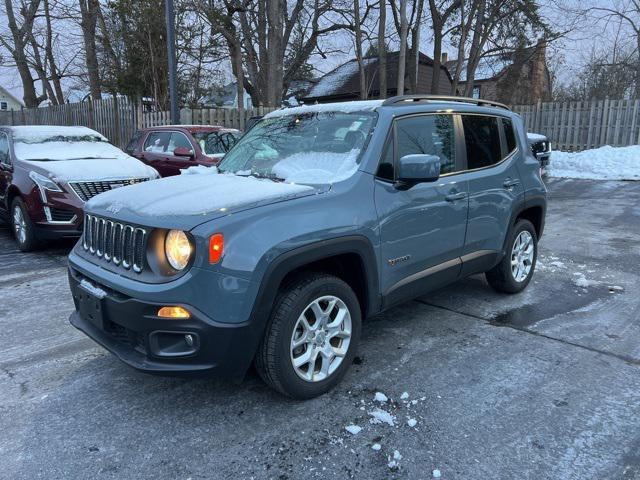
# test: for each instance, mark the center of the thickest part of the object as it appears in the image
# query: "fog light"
(173, 312)
(189, 340)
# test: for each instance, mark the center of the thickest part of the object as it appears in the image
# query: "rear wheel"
(312, 336)
(22, 227)
(514, 272)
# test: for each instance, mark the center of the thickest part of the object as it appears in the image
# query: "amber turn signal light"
(173, 312)
(216, 247)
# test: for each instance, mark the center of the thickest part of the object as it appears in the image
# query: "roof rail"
(407, 99)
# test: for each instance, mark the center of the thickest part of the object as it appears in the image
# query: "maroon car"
(172, 148)
(48, 172)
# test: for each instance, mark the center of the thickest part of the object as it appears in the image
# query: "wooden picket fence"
(574, 126)
(117, 118)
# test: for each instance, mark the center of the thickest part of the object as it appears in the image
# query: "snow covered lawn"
(604, 163)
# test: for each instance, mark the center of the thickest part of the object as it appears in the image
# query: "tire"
(306, 295)
(503, 277)
(22, 227)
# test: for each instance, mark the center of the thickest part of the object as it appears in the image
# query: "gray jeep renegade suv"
(319, 217)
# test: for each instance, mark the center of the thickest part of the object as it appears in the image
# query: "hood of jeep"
(185, 201)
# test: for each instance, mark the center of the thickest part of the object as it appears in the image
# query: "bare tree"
(466, 14)
(358, 34)
(441, 13)
(17, 47)
(382, 50)
(402, 56)
(89, 15)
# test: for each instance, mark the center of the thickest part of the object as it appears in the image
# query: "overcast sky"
(566, 55)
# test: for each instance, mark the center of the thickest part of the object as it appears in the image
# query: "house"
(8, 101)
(520, 77)
(343, 82)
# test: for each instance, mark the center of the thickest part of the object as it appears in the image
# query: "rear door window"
(482, 139)
(157, 142)
(428, 134)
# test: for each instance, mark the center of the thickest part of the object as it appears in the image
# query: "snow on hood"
(95, 170)
(193, 195)
(604, 163)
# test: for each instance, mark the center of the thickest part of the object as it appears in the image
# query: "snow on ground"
(380, 397)
(353, 429)
(604, 163)
(199, 170)
(381, 416)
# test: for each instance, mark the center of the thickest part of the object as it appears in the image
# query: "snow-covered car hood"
(94, 169)
(185, 201)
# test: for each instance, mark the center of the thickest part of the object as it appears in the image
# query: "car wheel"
(312, 336)
(22, 227)
(514, 272)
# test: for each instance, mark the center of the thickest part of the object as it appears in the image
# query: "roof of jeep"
(193, 128)
(434, 101)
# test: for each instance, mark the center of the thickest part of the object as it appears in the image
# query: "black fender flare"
(291, 260)
(521, 206)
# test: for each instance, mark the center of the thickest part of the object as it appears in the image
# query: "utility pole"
(171, 55)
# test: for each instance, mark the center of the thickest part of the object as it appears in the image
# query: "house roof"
(490, 66)
(10, 95)
(344, 79)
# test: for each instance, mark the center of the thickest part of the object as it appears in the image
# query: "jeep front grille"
(119, 243)
(87, 190)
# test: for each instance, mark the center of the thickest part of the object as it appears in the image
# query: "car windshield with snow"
(314, 147)
(318, 217)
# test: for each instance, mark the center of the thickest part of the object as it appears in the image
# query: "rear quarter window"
(509, 135)
(482, 140)
(131, 146)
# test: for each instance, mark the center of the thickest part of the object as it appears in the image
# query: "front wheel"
(514, 272)
(22, 227)
(312, 336)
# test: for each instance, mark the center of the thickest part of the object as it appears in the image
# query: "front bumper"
(130, 329)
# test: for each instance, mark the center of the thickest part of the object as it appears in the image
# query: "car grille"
(60, 215)
(87, 190)
(119, 243)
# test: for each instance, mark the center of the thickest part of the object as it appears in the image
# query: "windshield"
(311, 147)
(64, 147)
(216, 143)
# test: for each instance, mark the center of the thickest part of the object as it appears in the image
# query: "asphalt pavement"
(540, 385)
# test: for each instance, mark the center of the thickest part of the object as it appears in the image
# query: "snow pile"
(582, 282)
(604, 163)
(395, 462)
(344, 107)
(199, 170)
(353, 429)
(194, 195)
(380, 397)
(380, 416)
(317, 167)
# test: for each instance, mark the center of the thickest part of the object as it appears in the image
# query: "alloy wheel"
(522, 256)
(320, 338)
(19, 224)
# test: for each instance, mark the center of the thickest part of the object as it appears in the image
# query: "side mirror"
(183, 152)
(418, 168)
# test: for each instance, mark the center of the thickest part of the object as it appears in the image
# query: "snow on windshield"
(312, 145)
(316, 167)
(44, 133)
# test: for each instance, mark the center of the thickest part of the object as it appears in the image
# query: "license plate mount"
(90, 308)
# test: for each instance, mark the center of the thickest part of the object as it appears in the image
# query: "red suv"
(48, 172)
(172, 148)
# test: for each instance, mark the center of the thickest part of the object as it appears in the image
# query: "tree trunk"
(476, 48)
(54, 73)
(361, 72)
(382, 50)
(275, 53)
(415, 48)
(402, 56)
(88, 22)
(437, 57)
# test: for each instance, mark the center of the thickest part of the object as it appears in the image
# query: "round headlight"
(178, 249)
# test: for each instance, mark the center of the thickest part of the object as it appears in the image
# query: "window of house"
(156, 142)
(482, 139)
(428, 134)
(509, 134)
(476, 91)
(4, 106)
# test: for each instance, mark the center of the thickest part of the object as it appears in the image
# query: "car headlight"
(178, 249)
(43, 183)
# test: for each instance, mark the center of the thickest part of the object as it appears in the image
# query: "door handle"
(452, 197)
(510, 183)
